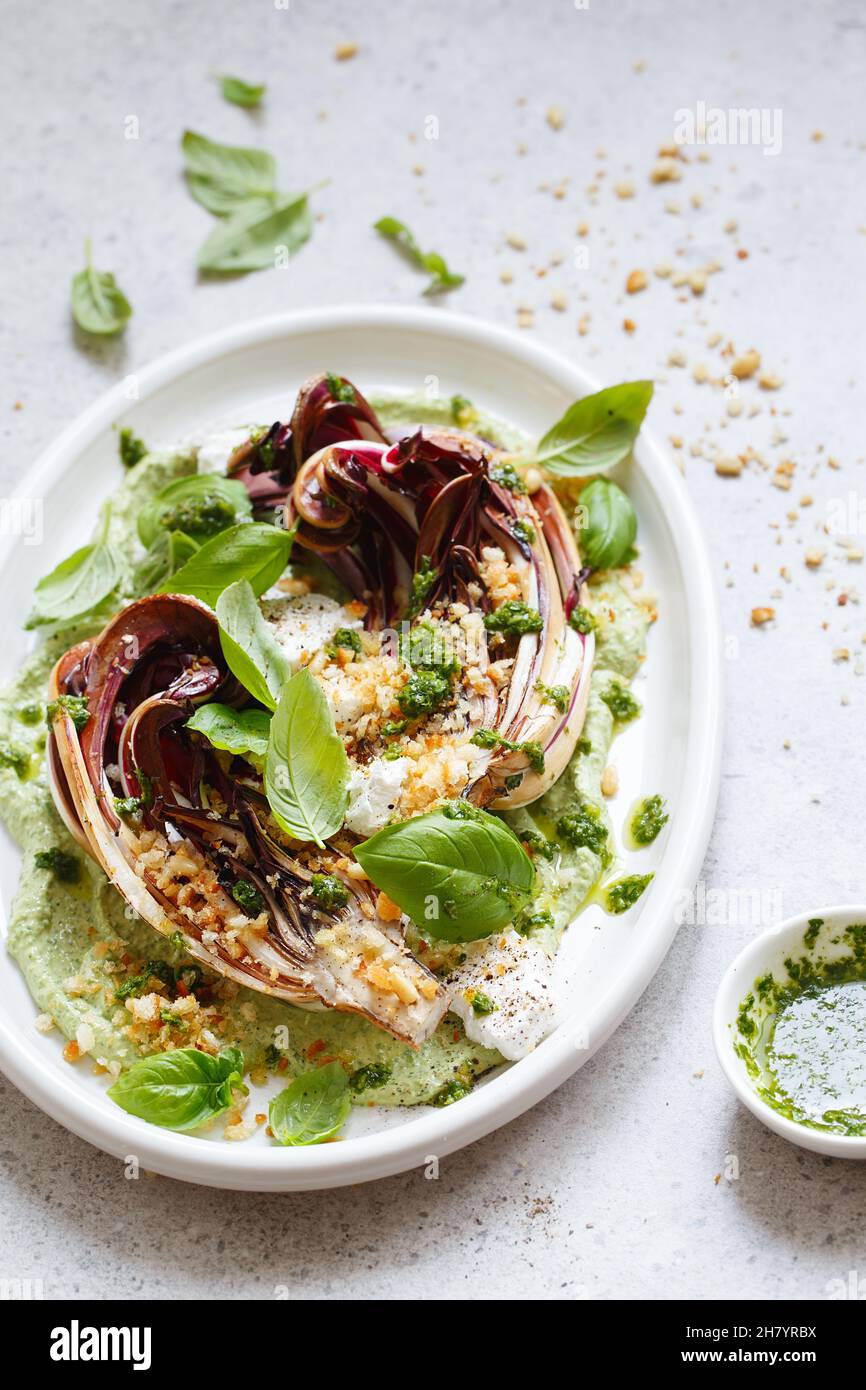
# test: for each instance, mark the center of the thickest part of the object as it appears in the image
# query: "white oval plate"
(251, 373)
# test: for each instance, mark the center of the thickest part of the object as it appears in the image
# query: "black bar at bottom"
(146, 1337)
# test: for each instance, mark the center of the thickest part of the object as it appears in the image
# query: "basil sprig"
(441, 277)
(98, 303)
(458, 872)
(241, 93)
(243, 732)
(608, 525)
(313, 1108)
(181, 500)
(306, 768)
(223, 177)
(170, 550)
(253, 551)
(239, 185)
(596, 432)
(181, 1089)
(254, 235)
(249, 646)
(79, 584)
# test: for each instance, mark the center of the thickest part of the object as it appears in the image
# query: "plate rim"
(515, 1090)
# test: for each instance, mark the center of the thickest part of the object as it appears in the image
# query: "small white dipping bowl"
(767, 954)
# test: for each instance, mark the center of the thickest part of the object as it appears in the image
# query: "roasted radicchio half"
(468, 590)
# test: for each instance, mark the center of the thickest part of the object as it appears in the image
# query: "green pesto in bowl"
(801, 1033)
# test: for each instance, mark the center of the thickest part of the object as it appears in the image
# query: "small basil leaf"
(248, 644)
(241, 93)
(79, 584)
(222, 177)
(431, 261)
(253, 551)
(183, 506)
(243, 732)
(164, 557)
(306, 769)
(254, 235)
(313, 1108)
(458, 872)
(596, 432)
(180, 1089)
(608, 525)
(98, 303)
(233, 1059)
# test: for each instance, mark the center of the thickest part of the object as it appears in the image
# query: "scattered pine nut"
(762, 615)
(665, 171)
(746, 365)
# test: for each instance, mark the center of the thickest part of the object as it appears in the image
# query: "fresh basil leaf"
(222, 177)
(252, 550)
(596, 432)
(608, 526)
(240, 731)
(251, 238)
(79, 584)
(458, 872)
(179, 1089)
(241, 93)
(185, 505)
(313, 1108)
(98, 303)
(233, 1059)
(306, 769)
(431, 261)
(249, 646)
(164, 557)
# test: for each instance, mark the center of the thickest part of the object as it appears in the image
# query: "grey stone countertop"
(641, 1176)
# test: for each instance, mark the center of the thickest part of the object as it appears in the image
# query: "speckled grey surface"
(622, 1184)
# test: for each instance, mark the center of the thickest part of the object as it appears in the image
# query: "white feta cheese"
(304, 623)
(348, 702)
(525, 1007)
(214, 450)
(374, 791)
